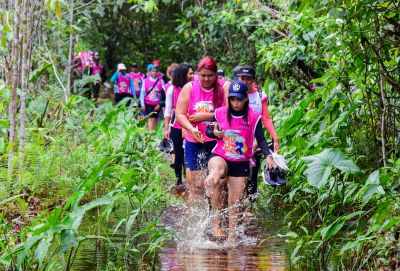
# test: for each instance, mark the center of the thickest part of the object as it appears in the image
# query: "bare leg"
(195, 178)
(151, 124)
(216, 182)
(236, 187)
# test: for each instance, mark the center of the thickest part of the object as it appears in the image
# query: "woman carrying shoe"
(196, 104)
(259, 102)
(182, 75)
(235, 129)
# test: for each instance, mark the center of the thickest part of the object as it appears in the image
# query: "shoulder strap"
(151, 89)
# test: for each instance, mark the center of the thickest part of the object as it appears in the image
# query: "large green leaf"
(320, 166)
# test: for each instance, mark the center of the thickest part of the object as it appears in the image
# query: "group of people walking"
(216, 128)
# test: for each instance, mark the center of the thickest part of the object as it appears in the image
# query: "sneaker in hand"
(269, 177)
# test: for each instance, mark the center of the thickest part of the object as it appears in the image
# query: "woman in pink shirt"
(196, 104)
(237, 126)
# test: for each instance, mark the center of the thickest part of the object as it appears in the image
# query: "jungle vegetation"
(330, 68)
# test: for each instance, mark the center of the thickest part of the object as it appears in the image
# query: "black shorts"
(236, 169)
(149, 109)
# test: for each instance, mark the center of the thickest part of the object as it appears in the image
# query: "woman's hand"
(270, 163)
(197, 134)
(167, 132)
(218, 132)
(199, 117)
(143, 108)
(276, 144)
(157, 108)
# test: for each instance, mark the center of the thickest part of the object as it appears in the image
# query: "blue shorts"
(198, 154)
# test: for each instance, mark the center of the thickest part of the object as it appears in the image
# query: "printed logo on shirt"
(204, 107)
(122, 86)
(154, 95)
(234, 145)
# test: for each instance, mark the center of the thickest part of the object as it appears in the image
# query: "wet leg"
(236, 186)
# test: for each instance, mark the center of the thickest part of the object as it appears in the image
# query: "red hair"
(218, 91)
(207, 63)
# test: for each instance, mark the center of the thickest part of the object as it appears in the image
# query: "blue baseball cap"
(151, 67)
(238, 89)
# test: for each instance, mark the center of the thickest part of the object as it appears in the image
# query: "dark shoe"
(169, 146)
(280, 177)
(269, 177)
(161, 146)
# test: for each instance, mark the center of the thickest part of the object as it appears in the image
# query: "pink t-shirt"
(123, 83)
(152, 97)
(237, 142)
(201, 100)
(97, 69)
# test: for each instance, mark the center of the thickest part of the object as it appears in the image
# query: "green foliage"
(114, 167)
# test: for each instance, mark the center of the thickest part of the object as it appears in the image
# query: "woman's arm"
(267, 122)
(182, 107)
(132, 87)
(182, 110)
(168, 110)
(114, 78)
(263, 144)
(142, 94)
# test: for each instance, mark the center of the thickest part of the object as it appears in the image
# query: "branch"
(302, 81)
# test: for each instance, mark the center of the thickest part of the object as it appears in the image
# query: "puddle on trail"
(193, 250)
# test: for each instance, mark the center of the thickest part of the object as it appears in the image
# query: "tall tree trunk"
(15, 53)
(70, 54)
(382, 91)
(24, 80)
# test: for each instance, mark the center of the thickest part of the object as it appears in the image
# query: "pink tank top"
(237, 143)
(175, 96)
(97, 69)
(152, 97)
(202, 101)
(123, 83)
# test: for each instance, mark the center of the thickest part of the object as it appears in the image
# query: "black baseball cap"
(246, 71)
(134, 65)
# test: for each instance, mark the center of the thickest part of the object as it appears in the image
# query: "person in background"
(137, 78)
(157, 63)
(96, 69)
(221, 73)
(123, 85)
(196, 104)
(259, 102)
(235, 128)
(182, 75)
(170, 72)
(150, 96)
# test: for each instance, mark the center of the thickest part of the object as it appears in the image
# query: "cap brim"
(237, 95)
(245, 74)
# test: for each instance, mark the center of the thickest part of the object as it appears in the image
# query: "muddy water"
(194, 249)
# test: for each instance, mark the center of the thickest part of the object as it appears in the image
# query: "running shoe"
(269, 177)
(169, 146)
(162, 145)
(280, 177)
